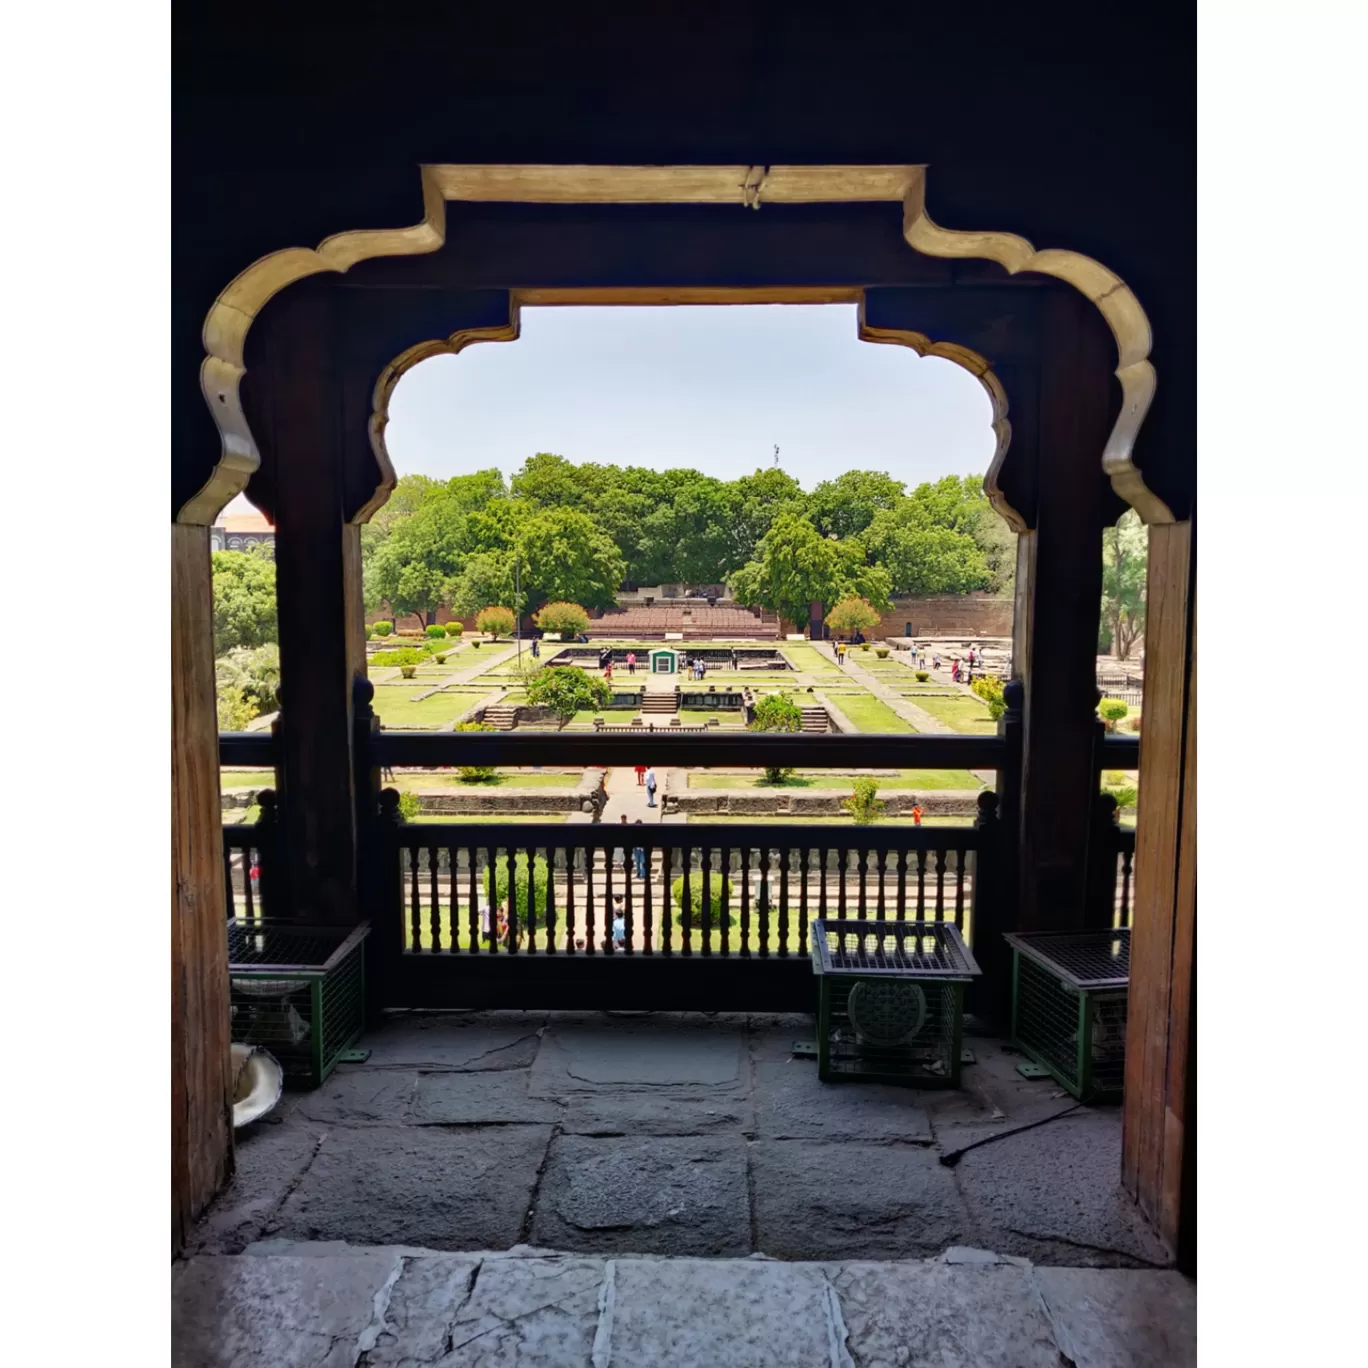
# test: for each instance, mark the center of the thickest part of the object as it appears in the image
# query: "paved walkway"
(907, 710)
(327, 1305)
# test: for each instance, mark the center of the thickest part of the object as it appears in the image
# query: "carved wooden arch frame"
(977, 366)
(232, 314)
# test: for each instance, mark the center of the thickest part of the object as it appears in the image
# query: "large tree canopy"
(244, 600)
(847, 505)
(1125, 550)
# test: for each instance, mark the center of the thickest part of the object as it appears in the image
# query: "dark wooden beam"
(318, 592)
(1059, 589)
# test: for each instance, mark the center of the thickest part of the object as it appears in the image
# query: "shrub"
(566, 690)
(435, 632)
(776, 775)
(255, 670)
(989, 688)
(408, 671)
(1112, 710)
(528, 892)
(410, 635)
(235, 709)
(719, 894)
(453, 628)
(569, 619)
(440, 657)
(496, 621)
(475, 774)
(864, 805)
(1134, 723)
(864, 645)
(370, 633)
(881, 652)
(382, 629)
(922, 675)
(851, 615)
(409, 807)
(401, 655)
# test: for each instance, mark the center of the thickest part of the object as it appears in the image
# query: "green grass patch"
(397, 708)
(230, 779)
(428, 782)
(791, 820)
(964, 714)
(906, 780)
(870, 715)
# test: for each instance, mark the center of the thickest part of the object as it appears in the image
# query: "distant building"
(242, 532)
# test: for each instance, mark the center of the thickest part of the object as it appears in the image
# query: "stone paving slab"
(628, 1054)
(424, 1185)
(987, 1316)
(645, 1195)
(1121, 1318)
(359, 1095)
(815, 1199)
(456, 1042)
(475, 1099)
(1057, 1185)
(659, 1111)
(740, 1314)
(792, 1103)
(270, 1159)
(337, 1306)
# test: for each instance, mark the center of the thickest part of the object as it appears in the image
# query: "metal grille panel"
(1086, 959)
(925, 949)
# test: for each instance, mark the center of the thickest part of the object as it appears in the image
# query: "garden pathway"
(908, 711)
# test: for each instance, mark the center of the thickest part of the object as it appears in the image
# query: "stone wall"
(939, 615)
(777, 802)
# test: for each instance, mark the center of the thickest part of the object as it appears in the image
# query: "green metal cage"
(298, 991)
(890, 1001)
(1069, 994)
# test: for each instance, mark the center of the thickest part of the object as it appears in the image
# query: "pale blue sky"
(715, 388)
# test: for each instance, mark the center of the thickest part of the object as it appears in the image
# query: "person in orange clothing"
(916, 813)
(641, 775)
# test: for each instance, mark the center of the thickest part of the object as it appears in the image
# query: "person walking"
(536, 648)
(631, 662)
(620, 854)
(641, 775)
(916, 813)
(619, 922)
(608, 673)
(650, 787)
(735, 662)
(639, 856)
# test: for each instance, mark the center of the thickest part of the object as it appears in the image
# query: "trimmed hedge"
(382, 629)
(719, 891)
(434, 631)
(453, 629)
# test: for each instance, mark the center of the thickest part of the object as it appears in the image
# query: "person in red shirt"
(641, 775)
(608, 672)
(916, 813)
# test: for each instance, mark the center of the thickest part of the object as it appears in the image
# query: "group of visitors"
(698, 667)
(646, 778)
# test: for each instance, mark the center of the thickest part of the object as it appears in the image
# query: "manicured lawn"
(964, 714)
(906, 779)
(794, 820)
(395, 706)
(246, 778)
(445, 779)
(870, 715)
(487, 818)
(728, 719)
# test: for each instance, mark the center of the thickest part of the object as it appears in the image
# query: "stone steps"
(660, 702)
(816, 720)
(502, 717)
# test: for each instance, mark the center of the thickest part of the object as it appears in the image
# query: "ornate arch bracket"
(390, 378)
(1112, 298)
(230, 318)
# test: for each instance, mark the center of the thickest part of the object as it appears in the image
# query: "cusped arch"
(230, 318)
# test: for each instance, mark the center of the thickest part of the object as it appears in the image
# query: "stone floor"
(613, 1141)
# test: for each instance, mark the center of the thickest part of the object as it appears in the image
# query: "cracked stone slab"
(643, 1195)
(418, 1185)
(484, 1098)
(741, 1314)
(361, 1096)
(229, 1312)
(658, 1111)
(502, 1040)
(1122, 1318)
(617, 1054)
(819, 1200)
(422, 1308)
(965, 1315)
(1054, 1194)
(792, 1103)
(269, 1161)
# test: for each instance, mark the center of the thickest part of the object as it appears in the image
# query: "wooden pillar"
(319, 602)
(201, 1083)
(1059, 569)
(1159, 1132)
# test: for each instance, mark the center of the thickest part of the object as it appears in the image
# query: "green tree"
(244, 600)
(922, 557)
(235, 709)
(1125, 552)
(864, 805)
(565, 555)
(567, 619)
(777, 713)
(485, 578)
(408, 494)
(495, 620)
(756, 500)
(252, 670)
(566, 690)
(846, 505)
(851, 615)
(688, 537)
(796, 566)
